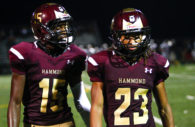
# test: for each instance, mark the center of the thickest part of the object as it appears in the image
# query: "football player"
(125, 76)
(43, 69)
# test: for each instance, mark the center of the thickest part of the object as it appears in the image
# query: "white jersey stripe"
(92, 61)
(167, 64)
(14, 51)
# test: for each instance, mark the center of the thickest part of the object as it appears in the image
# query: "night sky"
(167, 18)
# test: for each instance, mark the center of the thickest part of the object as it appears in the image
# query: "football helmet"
(128, 23)
(44, 22)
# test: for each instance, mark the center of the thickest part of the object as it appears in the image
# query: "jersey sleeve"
(95, 69)
(163, 69)
(17, 62)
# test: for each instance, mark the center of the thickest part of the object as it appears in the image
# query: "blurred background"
(172, 23)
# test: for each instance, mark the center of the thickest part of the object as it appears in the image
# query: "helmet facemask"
(56, 37)
(138, 47)
(131, 52)
(130, 34)
(45, 22)
(62, 33)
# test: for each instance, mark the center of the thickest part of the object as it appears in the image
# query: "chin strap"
(64, 43)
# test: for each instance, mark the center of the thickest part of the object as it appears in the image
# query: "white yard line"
(184, 76)
(87, 86)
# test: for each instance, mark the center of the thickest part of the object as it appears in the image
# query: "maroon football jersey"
(127, 88)
(47, 77)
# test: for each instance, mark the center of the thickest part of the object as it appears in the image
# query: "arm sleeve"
(17, 62)
(81, 101)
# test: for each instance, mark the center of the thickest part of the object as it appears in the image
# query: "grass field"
(180, 89)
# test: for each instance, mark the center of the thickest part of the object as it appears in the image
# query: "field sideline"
(180, 89)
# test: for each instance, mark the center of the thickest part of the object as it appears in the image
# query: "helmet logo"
(61, 14)
(135, 25)
(38, 16)
(132, 18)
